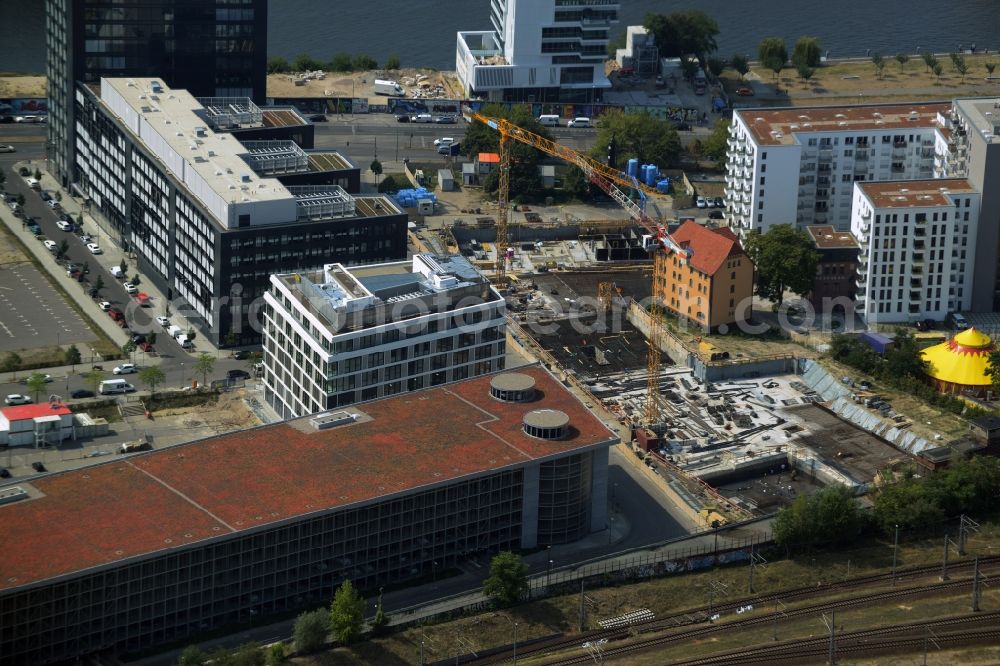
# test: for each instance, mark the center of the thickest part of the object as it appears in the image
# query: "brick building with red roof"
(157, 547)
(711, 283)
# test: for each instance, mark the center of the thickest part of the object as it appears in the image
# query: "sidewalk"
(113, 255)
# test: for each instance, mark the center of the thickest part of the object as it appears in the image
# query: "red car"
(744, 92)
(145, 346)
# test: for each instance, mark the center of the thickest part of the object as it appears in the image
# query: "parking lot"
(32, 314)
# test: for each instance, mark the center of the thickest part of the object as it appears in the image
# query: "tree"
(805, 72)
(123, 266)
(962, 68)
(392, 62)
(38, 174)
(346, 613)
(152, 376)
(3, 178)
(135, 280)
(277, 65)
(902, 59)
(524, 180)
(93, 379)
(879, 63)
(617, 42)
(128, 348)
(388, 185)
(683, 32)
(993, 370)
(807, 52)
(204, 366)
(740, 64)
(929, 60)
(715, 66)
(716, 143)
(151, 337)
(903, 359)
(828, 517)
(306, 63)
(508, 579)
(192, 656)
(641, 135)
(310, 630)
(20, 199)
(955, 59)
(99, 283)
(85, 268)
(11, 362)
(908, 504)
(376, 168)
(341, 62)
(72, 355)
(937, 69)
(36, 384)
(363, 63)
(772, 54)
(380, 620)
(62, 249)
(785, 260)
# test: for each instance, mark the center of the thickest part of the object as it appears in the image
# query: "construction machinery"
(615, 184)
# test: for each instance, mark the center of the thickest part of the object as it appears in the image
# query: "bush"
(828, 517)
(389, 185)
(309, 632)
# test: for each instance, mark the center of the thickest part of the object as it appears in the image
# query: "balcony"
(899, 144)
(914, 296)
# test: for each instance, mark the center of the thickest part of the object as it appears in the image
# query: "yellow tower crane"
(612, 182)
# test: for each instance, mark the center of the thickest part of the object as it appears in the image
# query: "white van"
(184, 341)
(422, 118)
(112, 386)
(116, 271)
(548, 121)
(33, 183)
(582, 121)
(174, 331)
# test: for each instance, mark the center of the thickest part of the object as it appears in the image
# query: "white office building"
(917, 244)
(799, 165)
(538, 50)
(341, 335)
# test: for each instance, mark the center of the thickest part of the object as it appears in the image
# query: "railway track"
(701, 615)
(963, 629)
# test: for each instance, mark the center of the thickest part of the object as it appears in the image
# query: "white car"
(51, 245)
(105, 305)
(125, 369)
(131, 288)
(64, 225)
(7, 148)
(444, 141)
(17, 399)
(53, 204)
(700, 202)
(94, 248)
(163, 321)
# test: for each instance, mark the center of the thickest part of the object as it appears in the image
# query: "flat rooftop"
(779, 126)
(152, 503)
(914, 193)
(984, 115)
(826, 237)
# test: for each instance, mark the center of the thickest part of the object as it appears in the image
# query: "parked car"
(131, 288)
(17, 399)
(7, 148)
(38, 467)
(163, 321)
(54, 205)
(956, 321)
(50, 244)
(718, 202)
(125, 369)
(138, 338)
(444, 141)
(65, 226)
(444, 120)
(145, 346)
(237, 374)
(45, 196)
(86, 238)
(4, 473)
(94, 248)
(104, 305)
(744, 91)
(241, 355)
(402, 119)
(317, 118)
(45, 377)
(81, 393)
(716, 215)
(700, 202)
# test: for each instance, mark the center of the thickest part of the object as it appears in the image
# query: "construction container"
(878, 342)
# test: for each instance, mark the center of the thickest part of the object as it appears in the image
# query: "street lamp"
(548, 571)
(513, 626)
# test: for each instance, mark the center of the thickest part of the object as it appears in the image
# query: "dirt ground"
(19, 85)
(359, 84)
(853, 82)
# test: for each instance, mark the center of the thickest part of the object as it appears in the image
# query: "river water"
(422, 32)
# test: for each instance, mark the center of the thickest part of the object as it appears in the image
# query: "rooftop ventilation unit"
(155, 86)
(8, 495)
(244, 178)
(512, 387)
(546, 424)
(328, 420)
(199, 131)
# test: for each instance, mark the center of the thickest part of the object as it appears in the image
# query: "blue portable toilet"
(633, 168)
(652, 173)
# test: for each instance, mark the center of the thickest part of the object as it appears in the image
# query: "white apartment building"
(343, 335)
(799, 165)
(538, 50)
(917, 244)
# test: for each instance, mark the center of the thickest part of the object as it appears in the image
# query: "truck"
(388, 87)
(136, 445)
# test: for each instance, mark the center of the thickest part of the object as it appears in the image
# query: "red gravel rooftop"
(180, 495)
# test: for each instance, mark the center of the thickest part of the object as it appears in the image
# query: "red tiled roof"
(22, 412)
(489, 158)
(176, 496)
(708, 247)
